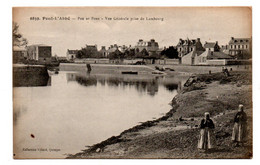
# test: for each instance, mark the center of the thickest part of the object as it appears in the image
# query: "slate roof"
(39, 45)
(197, 52)
(112, 50)
(186, 42)
(193, 53)
(218, 55)
(239, 40)
(225, 51)
(72, 51)
(209, 44)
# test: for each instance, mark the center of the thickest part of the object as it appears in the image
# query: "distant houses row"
(192, 52)
(189, 51)
(151, 47)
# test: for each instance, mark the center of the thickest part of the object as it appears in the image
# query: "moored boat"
(129, 72)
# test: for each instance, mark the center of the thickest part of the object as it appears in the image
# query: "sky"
(207, 23)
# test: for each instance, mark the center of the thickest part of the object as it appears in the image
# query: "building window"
(190, 49)
(238, 46)
(235, 46)
(231, 46)
(246, 46)
(242, 46)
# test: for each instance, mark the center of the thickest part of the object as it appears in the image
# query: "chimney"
(198, 39)
(232, 38)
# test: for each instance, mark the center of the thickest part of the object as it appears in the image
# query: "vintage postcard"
(132, 82)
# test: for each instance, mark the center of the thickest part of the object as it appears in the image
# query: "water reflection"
(80, 109)
(31, 81)
(142, 84)
(171, 87)
(86, 81)
(30, 76)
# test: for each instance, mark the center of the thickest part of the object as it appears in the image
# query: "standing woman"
(240, 126)
(206, 138)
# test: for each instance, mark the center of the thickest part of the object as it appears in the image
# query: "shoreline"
(176, 118)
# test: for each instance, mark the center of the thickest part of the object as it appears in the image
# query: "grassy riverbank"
(175, 135)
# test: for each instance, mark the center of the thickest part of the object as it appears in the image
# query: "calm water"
(76, 110)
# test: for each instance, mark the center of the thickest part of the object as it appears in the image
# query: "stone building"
(19, 54)
(212, 52)
(212, 46)
(150, 46)
(39, 52)
(71, 54)
(186, 46)
(123, 48)
(240, 47)
(205, 57)
(113, 51)
(225, 49)
(103, 51)
(191, 57)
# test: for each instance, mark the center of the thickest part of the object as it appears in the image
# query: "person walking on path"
(240, 126)
(206, 138)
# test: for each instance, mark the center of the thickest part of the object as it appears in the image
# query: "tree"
(80, 54)
(18, 39)
(170, 52)
(116, 55)
(129, 53)
(144, 52)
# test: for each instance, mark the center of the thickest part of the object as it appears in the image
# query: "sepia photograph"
(132, 82)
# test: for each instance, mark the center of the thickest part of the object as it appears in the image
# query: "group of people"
(225, 71)
(207, 139)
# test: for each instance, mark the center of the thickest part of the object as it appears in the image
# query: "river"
(77, 109)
